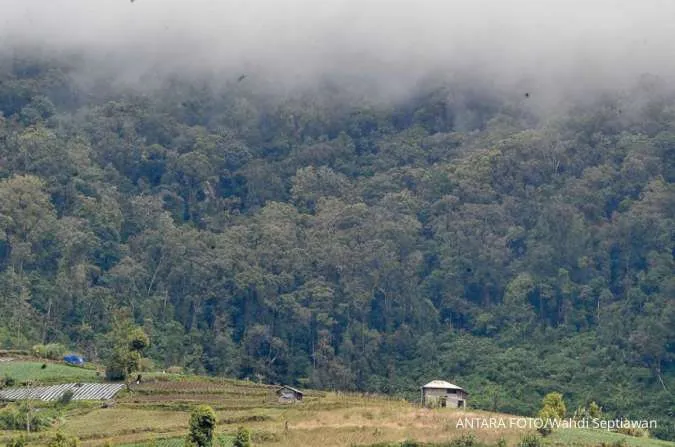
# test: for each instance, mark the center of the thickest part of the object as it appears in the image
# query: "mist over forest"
(353, 195)
(553, 45)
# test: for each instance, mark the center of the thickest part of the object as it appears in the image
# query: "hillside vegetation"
(330, 241)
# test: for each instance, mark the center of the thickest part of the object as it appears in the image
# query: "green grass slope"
(33, 371)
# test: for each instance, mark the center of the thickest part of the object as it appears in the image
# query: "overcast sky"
(585, 41)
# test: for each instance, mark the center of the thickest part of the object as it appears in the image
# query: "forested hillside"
(323, 239)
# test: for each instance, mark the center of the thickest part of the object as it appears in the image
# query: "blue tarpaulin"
(73, 359)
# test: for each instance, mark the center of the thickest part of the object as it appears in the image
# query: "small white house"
(289, 395)
(439, 393)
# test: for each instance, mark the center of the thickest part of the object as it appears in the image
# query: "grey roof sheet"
(81, 391)
(286, 387)
(442, 384)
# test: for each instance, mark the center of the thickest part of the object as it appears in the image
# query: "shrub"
(146, 365)
(466, 440)
(633, 431)
(52, 351)
(664, 430)
(547, 416)
(553, 408)
(115, 372)
(530, 440)
(8, 381)
(594, 410)
(66, 397)
(39, 351)
(202, 426)
(55, 351)
(17, 442)
(619, 443)
(501, 442)
(15, 418)
(62, 440)
(243, 438)
(9, 419)
(264, 437)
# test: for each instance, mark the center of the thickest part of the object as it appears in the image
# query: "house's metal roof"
(286, 387)
(81, 391)
(443, 385)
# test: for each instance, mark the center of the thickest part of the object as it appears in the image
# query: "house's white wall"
(432, 397)
(287, 397)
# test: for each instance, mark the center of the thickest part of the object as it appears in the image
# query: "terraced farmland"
(221, 394)
(156, 413)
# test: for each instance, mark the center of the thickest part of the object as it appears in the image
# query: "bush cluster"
(53, 351)
(15, 417)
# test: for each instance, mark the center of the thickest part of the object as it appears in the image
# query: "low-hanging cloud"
(589, 43)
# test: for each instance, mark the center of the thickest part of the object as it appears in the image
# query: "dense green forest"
(324, 239)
